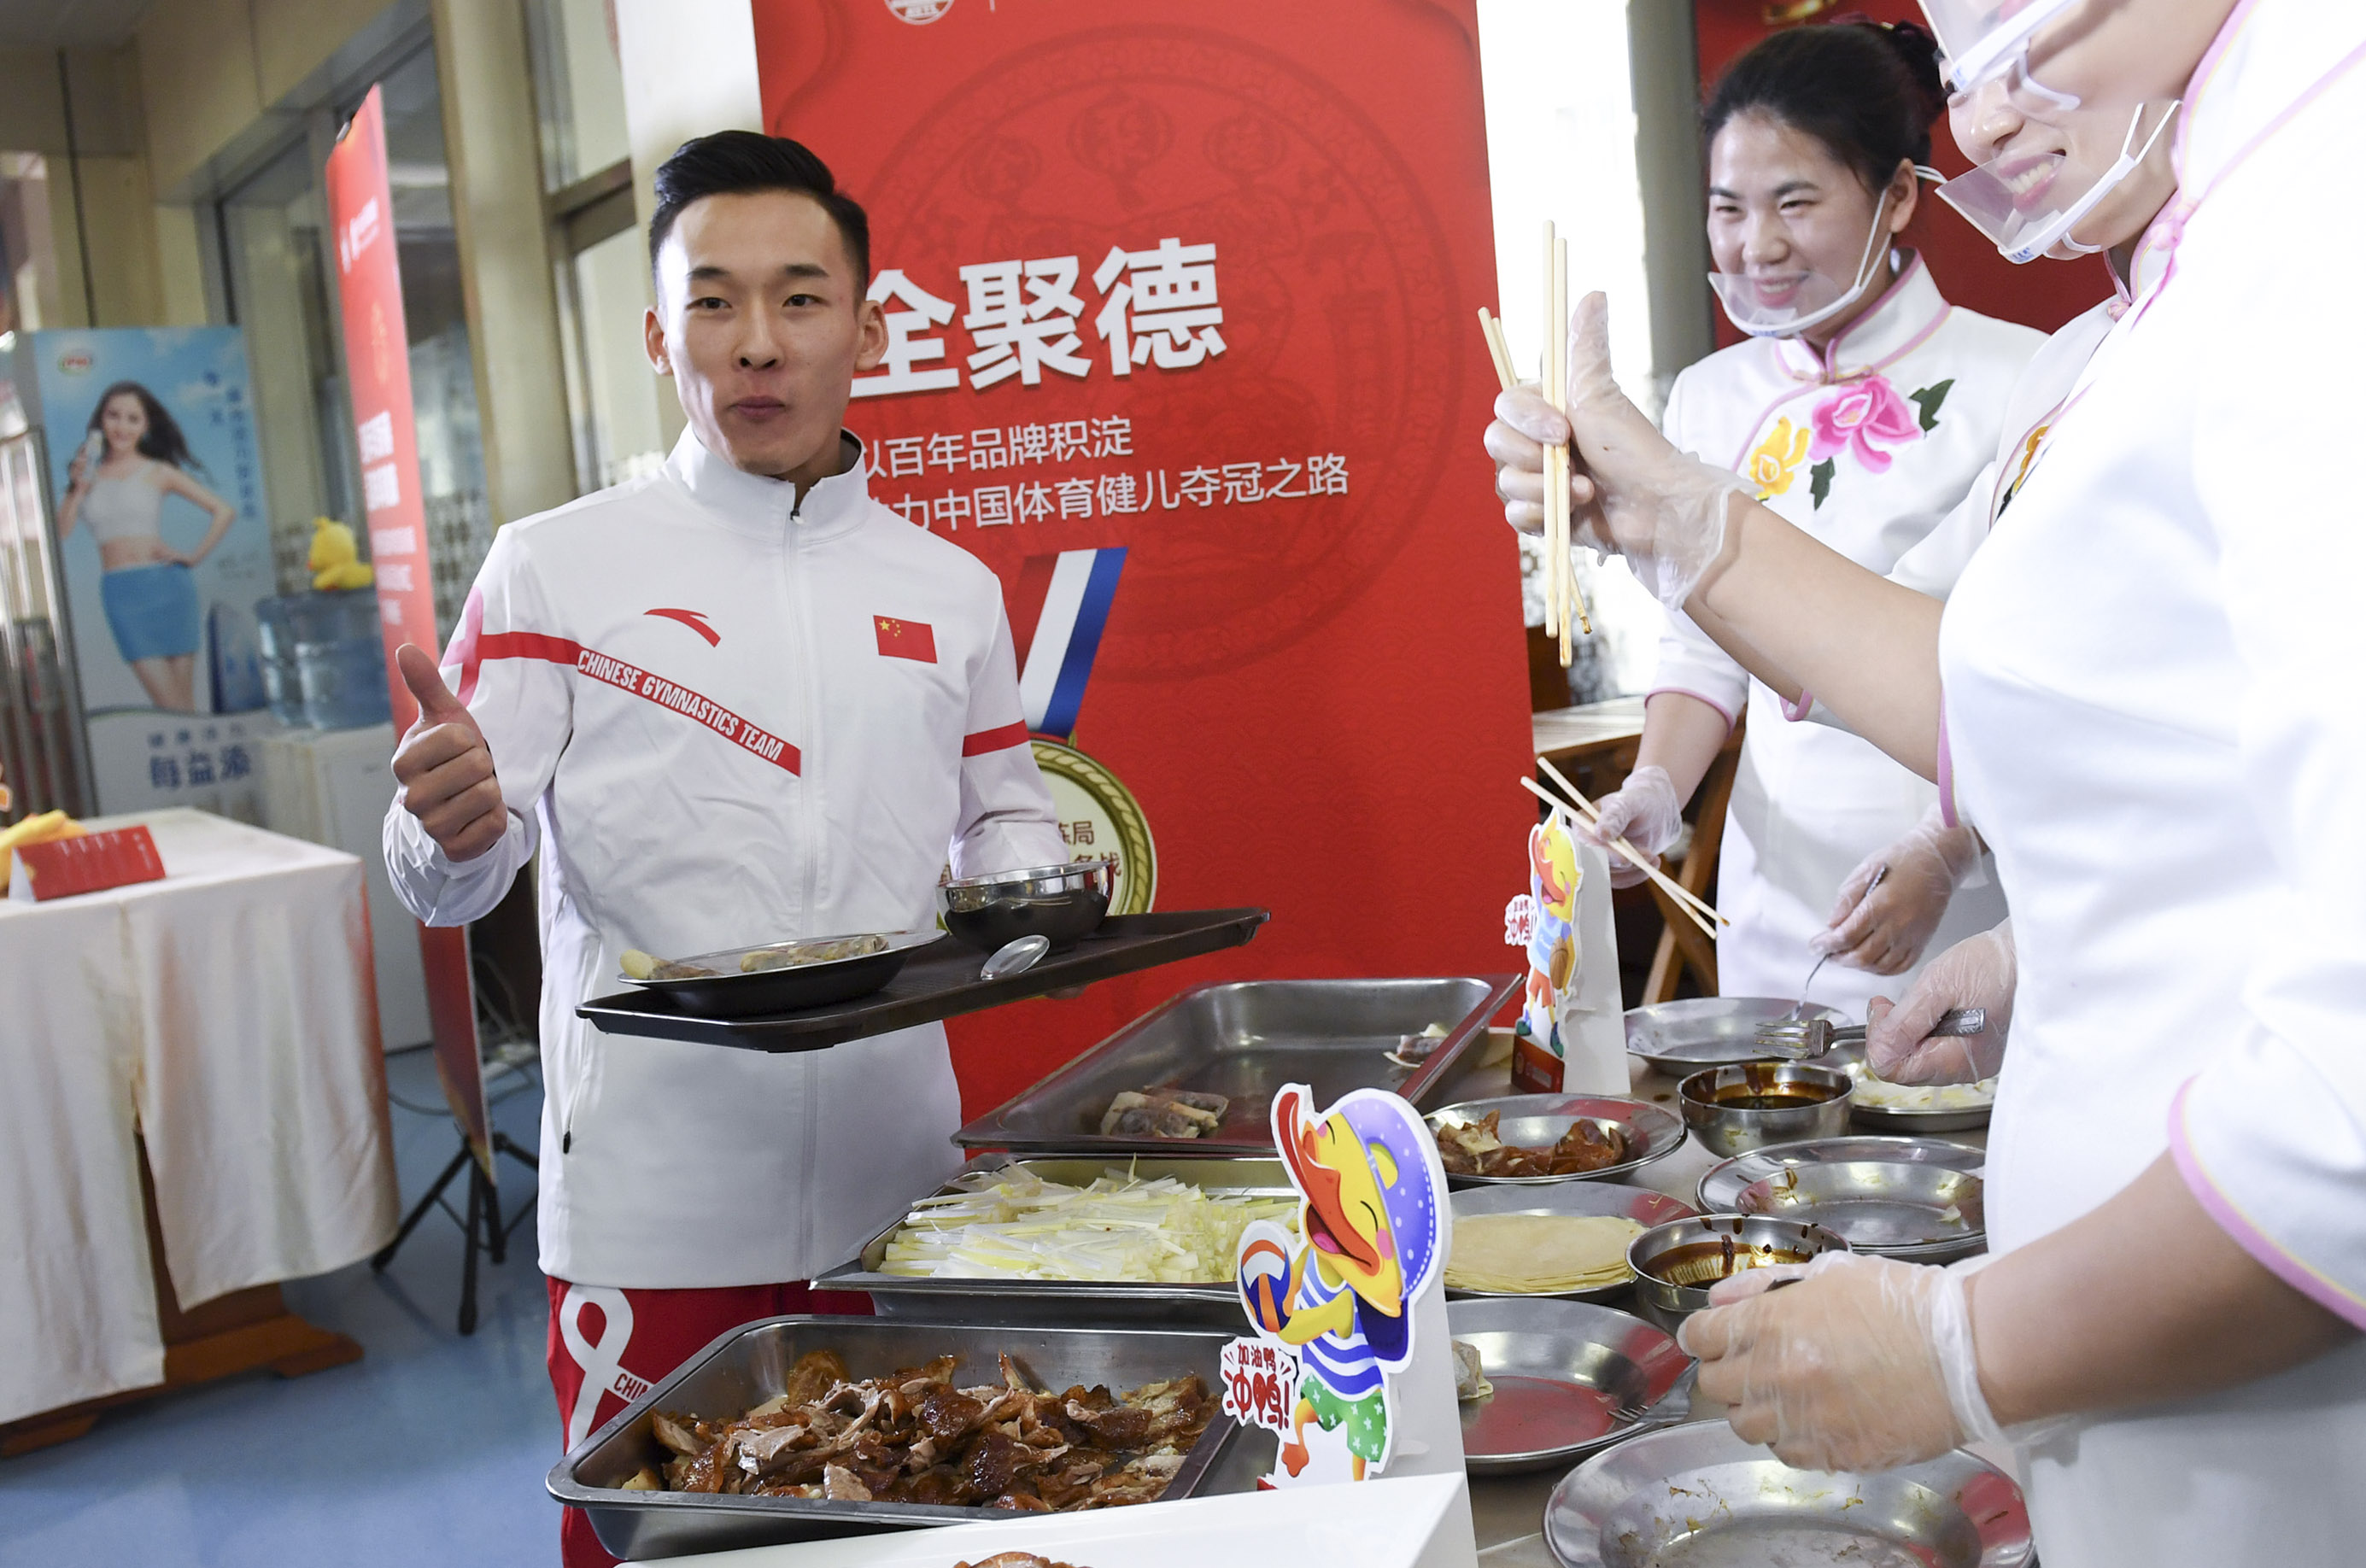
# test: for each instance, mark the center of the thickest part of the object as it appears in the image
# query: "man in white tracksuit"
(735, 702)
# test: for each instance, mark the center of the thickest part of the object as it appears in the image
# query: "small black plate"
(941, 981)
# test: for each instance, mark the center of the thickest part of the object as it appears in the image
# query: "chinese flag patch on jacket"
(905, 639)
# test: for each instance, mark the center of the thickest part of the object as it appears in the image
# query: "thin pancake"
(1539, 1253)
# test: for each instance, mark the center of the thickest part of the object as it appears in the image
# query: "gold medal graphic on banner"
(1098, 816)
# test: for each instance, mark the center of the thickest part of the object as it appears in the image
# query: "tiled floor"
(429, 1451)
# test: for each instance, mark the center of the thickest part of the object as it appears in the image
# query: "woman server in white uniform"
(2148, 710)
(1861, 410)
(2108, 174)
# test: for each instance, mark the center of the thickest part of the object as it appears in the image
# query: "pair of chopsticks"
(1696, 908)
(1564, 603)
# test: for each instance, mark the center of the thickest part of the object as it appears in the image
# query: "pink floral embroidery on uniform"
(1863, 417)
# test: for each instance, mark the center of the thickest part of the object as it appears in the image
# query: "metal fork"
(1674, 1406)
(1799, 1008)
(1801, 1039)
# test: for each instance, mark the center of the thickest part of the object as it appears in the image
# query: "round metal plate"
(1954, 1119)
(1697, 1496)
(1640, 1204)
(730, 993)
(1538, 1121)
(1569, 1378)
(1707, 1031)
(1892, 1209)
(1718, 1190)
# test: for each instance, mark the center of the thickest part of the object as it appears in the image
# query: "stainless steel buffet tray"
(1244, 1041)
(1000, 1299)
(751, 1363)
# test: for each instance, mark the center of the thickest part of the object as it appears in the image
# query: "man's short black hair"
(732, 160)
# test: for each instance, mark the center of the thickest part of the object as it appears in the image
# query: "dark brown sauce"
(1748, 1096)
(1702, 1263)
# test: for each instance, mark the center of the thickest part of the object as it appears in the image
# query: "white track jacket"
(725, 721)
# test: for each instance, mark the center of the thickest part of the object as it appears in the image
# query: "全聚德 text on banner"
(1158, 307)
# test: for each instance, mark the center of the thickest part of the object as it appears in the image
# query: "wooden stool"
(1682, 944)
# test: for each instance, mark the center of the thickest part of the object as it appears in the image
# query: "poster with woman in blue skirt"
(165, 545)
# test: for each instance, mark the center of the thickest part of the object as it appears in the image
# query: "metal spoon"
(1015, 957)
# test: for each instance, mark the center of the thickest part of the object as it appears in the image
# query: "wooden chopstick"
(1593, 813)
(1676, 890)
(1499, 352)
(1634, 856)
(1561, 596)
(1572, 601)
(1556, 607)
(1493, 329)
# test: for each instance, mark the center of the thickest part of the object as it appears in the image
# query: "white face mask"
(1978, 37)
(1787, 304)
(2030, 212)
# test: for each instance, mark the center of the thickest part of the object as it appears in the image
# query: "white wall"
(690, 68)
(1561, 145)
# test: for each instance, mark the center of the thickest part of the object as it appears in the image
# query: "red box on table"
(63, 867)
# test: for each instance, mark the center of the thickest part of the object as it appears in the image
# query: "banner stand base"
(481, 1228)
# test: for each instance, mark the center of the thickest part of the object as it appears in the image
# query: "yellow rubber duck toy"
(335, 562)
(38, 829)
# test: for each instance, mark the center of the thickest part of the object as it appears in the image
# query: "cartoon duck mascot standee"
(1342, 1292)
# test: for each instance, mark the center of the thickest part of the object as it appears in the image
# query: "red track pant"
(608, 1346)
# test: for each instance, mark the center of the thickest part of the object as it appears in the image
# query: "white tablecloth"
(225, 1014)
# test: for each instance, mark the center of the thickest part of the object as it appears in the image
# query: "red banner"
(1181, 296)
(377, 371)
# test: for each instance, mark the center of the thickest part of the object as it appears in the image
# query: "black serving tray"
(938, 981)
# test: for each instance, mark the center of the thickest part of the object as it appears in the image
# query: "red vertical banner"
(1180, 296)
(377, 372)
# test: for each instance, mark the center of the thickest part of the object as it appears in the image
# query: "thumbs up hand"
(444, 769)
(1631, 492)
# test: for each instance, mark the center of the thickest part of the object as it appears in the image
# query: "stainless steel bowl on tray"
(751, 1363)
(1677, 1263)
(1747, 1105)
(1717, 1191)
(1005, 1299)
(1538, 1121)
(1612, 1199)
(1925, 1212)
(1243, 1040)
(1696, 1496)
(1062, 904)
(1682, 1037)
(1958, 1107)
(771, 976)
(1569, 1378)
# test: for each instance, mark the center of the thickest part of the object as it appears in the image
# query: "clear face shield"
(1979, 37)
(1785, 304)
(2029, 204)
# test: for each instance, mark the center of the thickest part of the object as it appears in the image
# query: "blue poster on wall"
(165, 545)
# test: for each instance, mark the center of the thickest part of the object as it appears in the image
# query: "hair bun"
(1919, 52)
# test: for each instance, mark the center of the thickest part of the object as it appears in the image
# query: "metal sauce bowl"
(1677, 1263)
(1748, 1105)
(1062, 903)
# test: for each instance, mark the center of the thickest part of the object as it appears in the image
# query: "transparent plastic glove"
(1631, 492)
(1519, 457)
(1646, 812)
(1865, 1364)
(1883, 930)
(1977, 972)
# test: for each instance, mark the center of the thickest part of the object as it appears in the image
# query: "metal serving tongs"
(1801, 1039)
